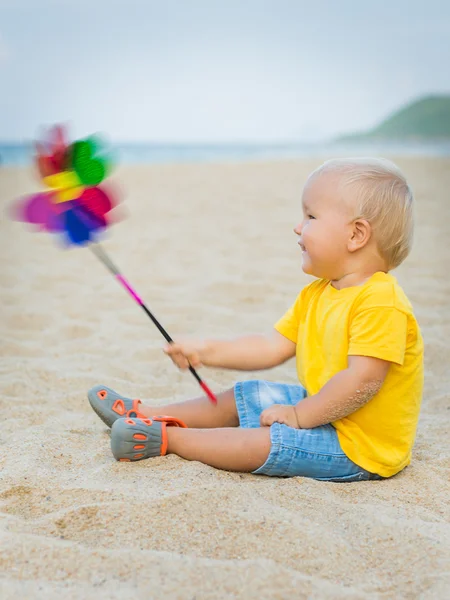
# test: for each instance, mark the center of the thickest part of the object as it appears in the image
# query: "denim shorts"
(312, 453)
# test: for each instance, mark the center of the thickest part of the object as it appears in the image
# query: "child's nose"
(298, 229)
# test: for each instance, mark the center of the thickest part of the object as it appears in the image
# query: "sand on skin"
(211, 249)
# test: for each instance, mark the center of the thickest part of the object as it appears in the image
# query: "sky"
(211, 71)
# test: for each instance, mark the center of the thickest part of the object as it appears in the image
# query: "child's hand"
(279, 413)
(185, 354)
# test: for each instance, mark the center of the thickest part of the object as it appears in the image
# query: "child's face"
(325, 229)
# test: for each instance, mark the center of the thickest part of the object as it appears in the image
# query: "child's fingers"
(172, 348)
(180, 360)
(175, 349)
(194, 361)
(183, 357)
(267, 418)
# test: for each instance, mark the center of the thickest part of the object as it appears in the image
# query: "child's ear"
(361, 233)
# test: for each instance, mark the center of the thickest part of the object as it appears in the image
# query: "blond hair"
(383, 198)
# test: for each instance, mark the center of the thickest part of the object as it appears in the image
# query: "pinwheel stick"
(104, 258)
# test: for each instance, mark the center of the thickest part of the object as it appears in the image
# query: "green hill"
(426, 119)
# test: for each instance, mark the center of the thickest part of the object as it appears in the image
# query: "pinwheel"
(76, 207)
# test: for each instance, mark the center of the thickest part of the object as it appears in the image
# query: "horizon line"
(203, 143)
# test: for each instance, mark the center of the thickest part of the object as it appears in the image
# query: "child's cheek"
(308, 233)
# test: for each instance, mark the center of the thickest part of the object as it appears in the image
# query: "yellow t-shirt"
(374, 319)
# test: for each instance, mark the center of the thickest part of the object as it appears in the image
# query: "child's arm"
(344, 393)
(249, 353)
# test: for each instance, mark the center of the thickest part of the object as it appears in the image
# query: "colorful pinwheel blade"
(77, 231)
(80, 225)
(38, 210)
(96, 201)
(94, 222)
(59, 147)
(88, 161)
(52, 153)
(44, 162)
(73, 204)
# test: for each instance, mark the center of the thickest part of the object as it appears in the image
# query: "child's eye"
(311, 217)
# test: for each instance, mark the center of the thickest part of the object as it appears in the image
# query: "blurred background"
(189, 80)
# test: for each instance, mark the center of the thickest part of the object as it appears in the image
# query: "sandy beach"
(211, 250)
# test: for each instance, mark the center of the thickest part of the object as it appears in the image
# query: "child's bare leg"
(200, 412)
(229, 449)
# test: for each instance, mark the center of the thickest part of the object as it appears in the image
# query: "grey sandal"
(110, 406)
(135, 438)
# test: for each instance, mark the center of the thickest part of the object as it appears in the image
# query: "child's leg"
(213, 436)
(200, 412)
(229, 449)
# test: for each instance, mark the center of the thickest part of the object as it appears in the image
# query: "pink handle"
(129, 289)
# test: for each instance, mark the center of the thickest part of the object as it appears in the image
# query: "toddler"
(358, 349)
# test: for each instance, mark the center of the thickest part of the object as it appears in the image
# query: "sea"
(21, 154)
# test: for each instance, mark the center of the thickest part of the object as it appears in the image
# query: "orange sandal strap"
(169, 421)
(135, 405)
(134, 410)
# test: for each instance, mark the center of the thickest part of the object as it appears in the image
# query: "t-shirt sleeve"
(289, 322)
(380, 332)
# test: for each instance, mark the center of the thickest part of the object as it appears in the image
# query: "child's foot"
(110, 406)
(136, 439)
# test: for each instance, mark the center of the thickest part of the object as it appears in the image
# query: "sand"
(211, 250)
